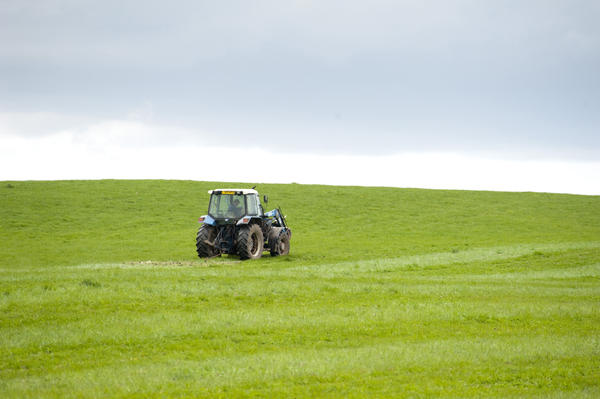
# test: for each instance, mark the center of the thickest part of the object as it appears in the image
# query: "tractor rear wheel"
(205, 241)
(279, 241)
(250, 242)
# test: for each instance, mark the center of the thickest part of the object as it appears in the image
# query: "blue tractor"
(237, 225)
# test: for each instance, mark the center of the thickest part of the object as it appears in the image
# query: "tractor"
(237, 225)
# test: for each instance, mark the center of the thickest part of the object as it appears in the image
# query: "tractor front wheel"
(250, 242)
(279, 241)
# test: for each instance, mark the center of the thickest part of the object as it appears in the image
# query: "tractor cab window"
(226, 206)
(252, 203)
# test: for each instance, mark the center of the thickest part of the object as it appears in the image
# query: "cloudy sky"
(465, 94)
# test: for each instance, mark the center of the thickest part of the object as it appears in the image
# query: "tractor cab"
(231, 204)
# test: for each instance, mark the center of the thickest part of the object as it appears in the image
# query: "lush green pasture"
(387, 292)
(74, 222)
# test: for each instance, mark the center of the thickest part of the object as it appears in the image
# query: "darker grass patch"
(90, 283)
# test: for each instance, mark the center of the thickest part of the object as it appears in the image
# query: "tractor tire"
(279, 241)
(205, 237)
(250, 242)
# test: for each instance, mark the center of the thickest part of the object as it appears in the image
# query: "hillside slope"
(387, 293)
(73, 222)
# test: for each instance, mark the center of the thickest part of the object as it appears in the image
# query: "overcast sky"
(497, 95)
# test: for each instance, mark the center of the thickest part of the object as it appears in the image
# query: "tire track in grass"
(484, 254)
(444, 258)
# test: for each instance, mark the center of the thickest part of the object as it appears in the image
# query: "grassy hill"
(73, 222)
(386, 292)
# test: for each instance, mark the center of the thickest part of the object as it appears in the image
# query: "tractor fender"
(207, 219)
(246, 220)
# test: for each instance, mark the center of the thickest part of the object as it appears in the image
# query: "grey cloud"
(342, 76)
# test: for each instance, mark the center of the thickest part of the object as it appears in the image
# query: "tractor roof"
(243, 191)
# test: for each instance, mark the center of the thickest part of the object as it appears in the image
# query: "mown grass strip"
(483, 364)
(243, 328)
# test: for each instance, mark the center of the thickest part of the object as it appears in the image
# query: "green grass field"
(386, 293)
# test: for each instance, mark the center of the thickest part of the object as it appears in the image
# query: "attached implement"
(237, 225)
